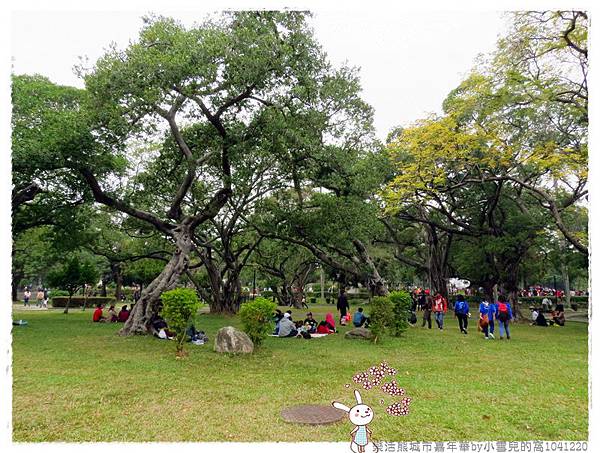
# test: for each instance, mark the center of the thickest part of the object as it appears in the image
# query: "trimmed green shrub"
(402, 303)
(381, 317)
(179, 305)
(78, 301)
(257, 318)
(58, 292)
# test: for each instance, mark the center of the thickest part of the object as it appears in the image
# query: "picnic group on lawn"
(491, 314)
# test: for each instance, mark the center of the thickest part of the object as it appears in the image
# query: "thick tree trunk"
(437, 260)
(147, 305)
(103, 291)
(377, 284)
(118, 277)
(231, 293)
(16, 279)
(511, 288)
(285, 297)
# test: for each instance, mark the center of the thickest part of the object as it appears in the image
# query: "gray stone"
(359, 332)
(234, 341)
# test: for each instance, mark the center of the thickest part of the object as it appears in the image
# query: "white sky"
(409, 60)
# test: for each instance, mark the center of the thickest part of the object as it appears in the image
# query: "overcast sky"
(409, 60)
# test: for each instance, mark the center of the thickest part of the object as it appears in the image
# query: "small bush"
(402, 303)
(256, 319)
(381, 314)
(58, 292)
(179, 305)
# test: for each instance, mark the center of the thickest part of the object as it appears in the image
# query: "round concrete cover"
(312, 414)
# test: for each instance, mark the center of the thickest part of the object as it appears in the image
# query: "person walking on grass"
(39, 298)
(504, 315)
(492, 312)
(484, 318)
(461, 311)
(440, 307)
(427, 306)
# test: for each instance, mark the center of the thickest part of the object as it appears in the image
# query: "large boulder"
(360, 333)
(231, 340)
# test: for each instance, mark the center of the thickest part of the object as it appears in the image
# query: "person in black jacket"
(343, 306)
(427, 307)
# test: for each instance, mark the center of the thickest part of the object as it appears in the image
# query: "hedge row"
(78, 301)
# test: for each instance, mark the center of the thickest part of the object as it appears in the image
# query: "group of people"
(492, 312)
(539, 291)
(438, 305)
(286, 327)
(112, 315)
(489, 313)
(557, 317)
(41, 298)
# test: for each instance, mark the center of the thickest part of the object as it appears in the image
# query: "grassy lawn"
(78, 381)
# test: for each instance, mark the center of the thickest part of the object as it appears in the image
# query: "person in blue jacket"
(461, 311)
(487, 311)
(504, 315)
(492, 312)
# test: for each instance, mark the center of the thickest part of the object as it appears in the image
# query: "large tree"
(215, 83)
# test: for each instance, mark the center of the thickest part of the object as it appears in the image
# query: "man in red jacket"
(440, 307)
(97, 316)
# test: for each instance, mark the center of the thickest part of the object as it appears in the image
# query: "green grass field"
(78, 381)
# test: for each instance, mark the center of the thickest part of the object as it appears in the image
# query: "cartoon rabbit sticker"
(360, 415)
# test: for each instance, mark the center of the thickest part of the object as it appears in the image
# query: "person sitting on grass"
(330, 321)
(558, 317)
(541, 320)
(323, 327)
(359, 319)
(164, 334)
(112, 314)
(534, 314)
(277, 317)
(303, 330)
(287, 327)
(311, 321)
(123, 314)
(158, 324)
(98, 316)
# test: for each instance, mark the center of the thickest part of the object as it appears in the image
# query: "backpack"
(502, 311)
(460, 307)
